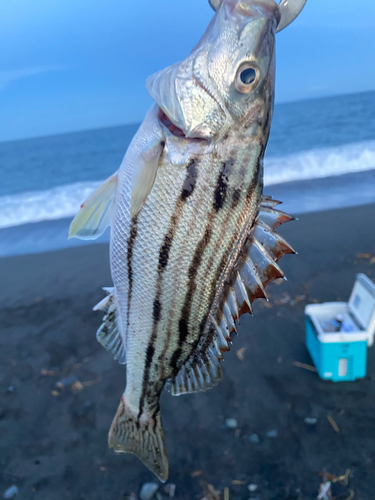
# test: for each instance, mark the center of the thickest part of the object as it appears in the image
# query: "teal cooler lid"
(362, 302)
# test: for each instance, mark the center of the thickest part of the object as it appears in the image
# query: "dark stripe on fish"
(192, 285)
(236, 198)
(131, 242)
(190, 181)
(157, 310)
(221, 189)
(219, 197)
(187, 190)
(221, 267)
(249, 193)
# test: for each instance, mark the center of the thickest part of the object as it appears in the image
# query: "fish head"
(228, 79)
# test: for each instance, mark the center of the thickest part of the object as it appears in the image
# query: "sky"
(68, 65)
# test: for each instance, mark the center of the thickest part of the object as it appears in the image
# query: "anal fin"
(201, 372)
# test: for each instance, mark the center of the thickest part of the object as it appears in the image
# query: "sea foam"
(319, 163)
(64, 201)
(36, 206)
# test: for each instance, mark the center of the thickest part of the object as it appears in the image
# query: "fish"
(193, 240)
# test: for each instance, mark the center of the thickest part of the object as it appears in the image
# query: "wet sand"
(54, 439)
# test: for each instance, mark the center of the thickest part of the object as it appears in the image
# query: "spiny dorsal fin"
(108, 334)
(255, 268)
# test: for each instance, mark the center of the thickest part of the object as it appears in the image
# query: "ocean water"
(321, 155)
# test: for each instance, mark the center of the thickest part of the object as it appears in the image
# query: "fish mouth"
(168, 123)
(176, 131)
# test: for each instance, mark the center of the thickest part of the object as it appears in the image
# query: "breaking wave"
(64, 201)
(35, 206)
(319, 163)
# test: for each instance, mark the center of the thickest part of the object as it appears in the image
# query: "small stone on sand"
(11, 492)
(148, 490)
(231, 423)
(272, 434)
(310, 420)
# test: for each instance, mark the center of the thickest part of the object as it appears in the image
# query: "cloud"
(9, 77)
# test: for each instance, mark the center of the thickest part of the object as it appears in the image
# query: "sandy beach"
(60, 389)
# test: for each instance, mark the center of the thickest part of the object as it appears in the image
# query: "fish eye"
(247, 78)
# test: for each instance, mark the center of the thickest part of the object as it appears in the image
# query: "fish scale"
(193, 241)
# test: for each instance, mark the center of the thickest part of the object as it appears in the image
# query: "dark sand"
(54, 441)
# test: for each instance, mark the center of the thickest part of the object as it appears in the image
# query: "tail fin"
(143, 437)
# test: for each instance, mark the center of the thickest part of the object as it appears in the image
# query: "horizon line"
(130, 124)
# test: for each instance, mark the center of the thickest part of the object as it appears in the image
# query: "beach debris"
(11, 492)
(196, 473)
(226, 493)
(305, 366)
(81, 363)
(231, 423)
(252, 487)
(364, 255)
(49, 373)
(325, 492)
(343, 479)
(210, 493)
(10, 388)
(91, 382)
(55, 393)
(333, 423)
(285, 299)
(254, 438)
(240, 353)
(272, 433)
(299, 298)
(369, 256)
(148, 491)
(170, 489)
(310, 420)
(328, 479)
(65, 382)
(77, 386)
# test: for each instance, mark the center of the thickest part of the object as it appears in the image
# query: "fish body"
(193, 241)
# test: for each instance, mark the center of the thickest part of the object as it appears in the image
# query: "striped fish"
(193, 240)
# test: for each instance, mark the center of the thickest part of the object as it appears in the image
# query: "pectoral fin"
(144, 176)
(96, 212)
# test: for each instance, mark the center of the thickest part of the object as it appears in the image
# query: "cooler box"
(342, 355)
